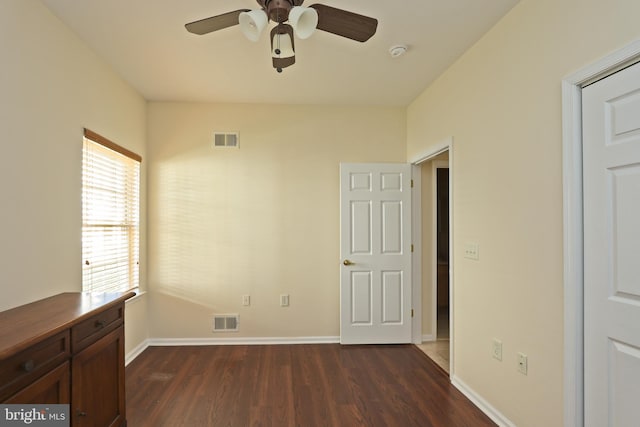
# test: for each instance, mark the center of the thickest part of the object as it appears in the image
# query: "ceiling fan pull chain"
(278, 51)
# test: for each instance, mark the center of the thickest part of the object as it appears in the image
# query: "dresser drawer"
(92, 329)
(52, 388)
(28, 365)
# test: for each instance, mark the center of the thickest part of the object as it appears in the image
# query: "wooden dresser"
(68, 348)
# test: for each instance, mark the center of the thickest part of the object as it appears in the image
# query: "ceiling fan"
(289, 16)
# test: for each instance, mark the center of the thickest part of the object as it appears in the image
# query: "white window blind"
(110, 216)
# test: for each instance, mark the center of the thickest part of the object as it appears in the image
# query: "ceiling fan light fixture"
(304, 21)
(282, 43)
(282, 46)
(252, 23)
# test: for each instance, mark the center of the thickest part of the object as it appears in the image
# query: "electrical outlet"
(246, 300)
(472, 251)
(284, 300)
(497, 349)
(523, 363)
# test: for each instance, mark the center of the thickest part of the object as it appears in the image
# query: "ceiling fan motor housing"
(278, 10)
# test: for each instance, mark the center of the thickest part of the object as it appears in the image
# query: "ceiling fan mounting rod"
(278, 10)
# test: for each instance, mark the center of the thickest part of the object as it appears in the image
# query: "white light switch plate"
(523, 363)
(497, 349)
(472, 251)
(284, 300)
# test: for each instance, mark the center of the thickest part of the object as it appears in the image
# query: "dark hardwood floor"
(293, 385)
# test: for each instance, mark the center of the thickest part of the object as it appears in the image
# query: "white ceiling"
(146, 43)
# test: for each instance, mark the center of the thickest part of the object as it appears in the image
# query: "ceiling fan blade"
(346, 24)
(215, 23)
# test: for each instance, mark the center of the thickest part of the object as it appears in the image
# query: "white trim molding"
(131, 356)
(174, 342)
(138, 296)
(416, 260)
(433, 151)
(446, 145)
(429, 338)
(495, 415)
(154, 342)
(573, 223)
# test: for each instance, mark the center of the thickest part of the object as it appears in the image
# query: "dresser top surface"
(22, 326)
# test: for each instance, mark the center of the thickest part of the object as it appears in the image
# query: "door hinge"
(412, 312)
(412, 247)
(411, 183)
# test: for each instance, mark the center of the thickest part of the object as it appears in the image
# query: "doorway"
(436, 242)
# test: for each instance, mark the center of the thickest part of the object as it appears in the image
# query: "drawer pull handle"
(100, 324)
(28, 366)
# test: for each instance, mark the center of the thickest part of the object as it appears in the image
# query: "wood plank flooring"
(293, 385)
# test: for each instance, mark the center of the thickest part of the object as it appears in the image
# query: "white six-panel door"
(611, 174)
(375, 248)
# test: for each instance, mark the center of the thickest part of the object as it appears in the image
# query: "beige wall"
(261, 220)
(501, 102)
(52, 86)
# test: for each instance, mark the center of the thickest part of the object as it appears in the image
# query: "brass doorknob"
(347, 262)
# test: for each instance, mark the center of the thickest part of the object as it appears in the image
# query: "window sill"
(139, 294)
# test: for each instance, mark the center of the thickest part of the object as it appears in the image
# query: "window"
(110, 216)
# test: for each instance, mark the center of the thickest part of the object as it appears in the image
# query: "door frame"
(434, 150)
(573, 223)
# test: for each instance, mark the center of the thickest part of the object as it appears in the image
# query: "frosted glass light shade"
(252, 23)
(304, 21)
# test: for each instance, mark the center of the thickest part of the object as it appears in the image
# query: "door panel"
(624, 208)
(375, 227)
(611, 170)
(361, 298)
(391, 227)
(361, 229)
(392, 288)
(625, 383)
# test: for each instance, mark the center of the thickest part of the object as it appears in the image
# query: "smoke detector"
(398, 50)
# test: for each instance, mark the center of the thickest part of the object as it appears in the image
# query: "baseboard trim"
(159, 342)
(428, 338)
(242, 341)
(482, 404)
(130, 357)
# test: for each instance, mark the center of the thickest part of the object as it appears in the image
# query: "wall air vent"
(226, 322)
(226, 140)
